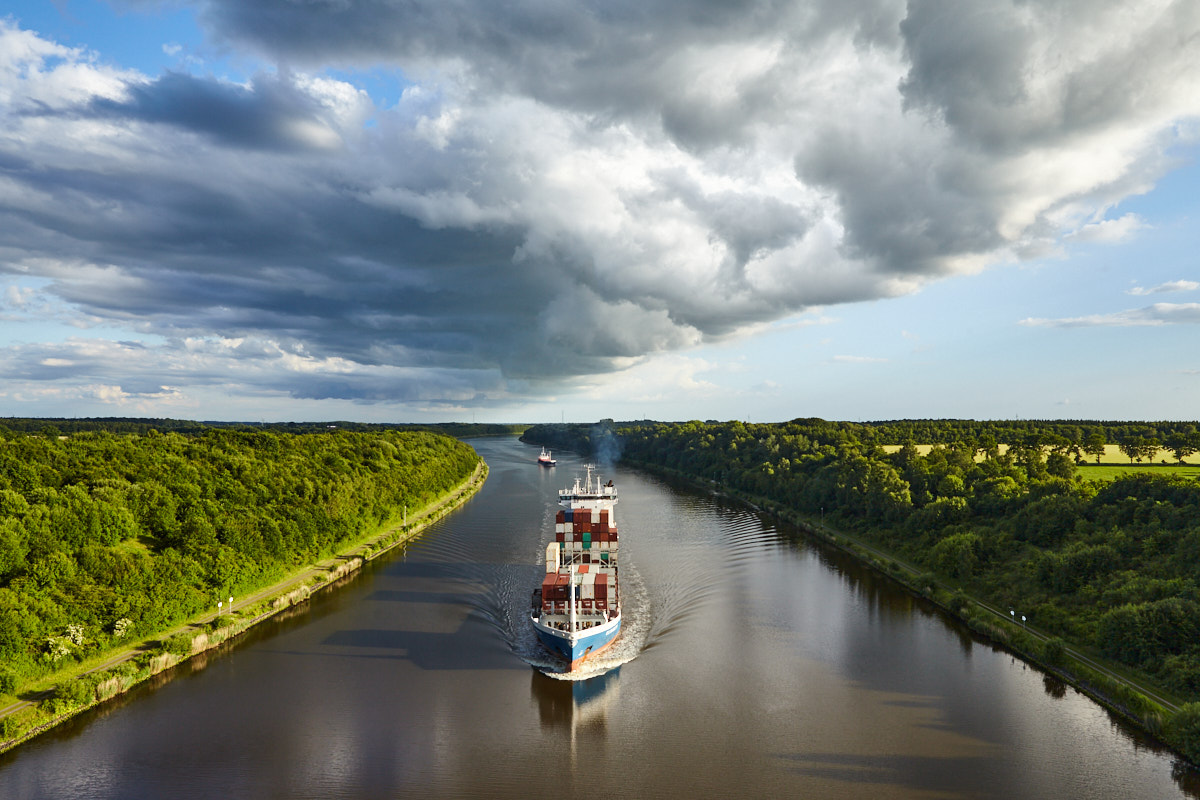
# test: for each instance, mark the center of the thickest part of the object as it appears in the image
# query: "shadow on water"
(925, 774)
(430, 651)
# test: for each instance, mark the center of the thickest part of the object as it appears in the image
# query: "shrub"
(8, 681)
(1054, 652)
(1183, 731)
(178, 645)
(959, 602)
(74, 693)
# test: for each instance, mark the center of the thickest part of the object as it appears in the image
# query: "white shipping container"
(589, 586)
(567, 527)
(552, 557)
(558, 527)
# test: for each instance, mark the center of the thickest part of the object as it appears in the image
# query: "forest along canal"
(753, 664)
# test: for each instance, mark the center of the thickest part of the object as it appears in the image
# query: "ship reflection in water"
(578, 706)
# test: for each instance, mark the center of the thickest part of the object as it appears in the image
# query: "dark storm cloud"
(1009, 76)
(271, 114)
(618, 60)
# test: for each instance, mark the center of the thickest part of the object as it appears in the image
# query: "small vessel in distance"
(577, 610)
(545, 459)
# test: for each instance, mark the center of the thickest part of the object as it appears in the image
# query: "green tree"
(958, 554)
(1183, 731)
(1134, 447)
(1060, 465)
(1094, 444)
(1182, 445)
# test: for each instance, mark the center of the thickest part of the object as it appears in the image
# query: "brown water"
(753, 664)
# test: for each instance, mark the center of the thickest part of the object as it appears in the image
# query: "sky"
(545, 210)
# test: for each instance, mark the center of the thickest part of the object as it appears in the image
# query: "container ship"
(577, 610)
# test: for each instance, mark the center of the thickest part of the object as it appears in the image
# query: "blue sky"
(455, 210)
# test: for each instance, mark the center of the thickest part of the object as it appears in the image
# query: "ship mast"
(571, 600)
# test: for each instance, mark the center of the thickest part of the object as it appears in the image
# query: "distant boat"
(545, 459)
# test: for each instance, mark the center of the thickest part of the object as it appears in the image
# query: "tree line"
(1115, 566)
(55, 426)
(106, 537)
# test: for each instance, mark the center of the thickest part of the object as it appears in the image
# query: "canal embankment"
(65, 695)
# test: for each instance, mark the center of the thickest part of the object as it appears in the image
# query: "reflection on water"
(571, 706)
(1054, 687)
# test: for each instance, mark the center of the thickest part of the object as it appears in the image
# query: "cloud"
(247, 367)
(1109, 230)
(654, 380)
(276, 112)
(562, 190)
(859, 360)
(18, 297)
(1154, 315)
(1169, 286)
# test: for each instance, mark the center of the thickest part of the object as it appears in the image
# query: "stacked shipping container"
(586, 538)
(592, 585)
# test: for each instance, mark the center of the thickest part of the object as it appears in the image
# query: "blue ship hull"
(585, 646)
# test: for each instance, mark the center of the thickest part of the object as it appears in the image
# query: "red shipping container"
(560, 537)
(560, 518)
(604, 516)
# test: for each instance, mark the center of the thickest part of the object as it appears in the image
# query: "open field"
(1107, 472)
(1113, 457)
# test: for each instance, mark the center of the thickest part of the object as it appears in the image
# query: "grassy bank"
(62, 695)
